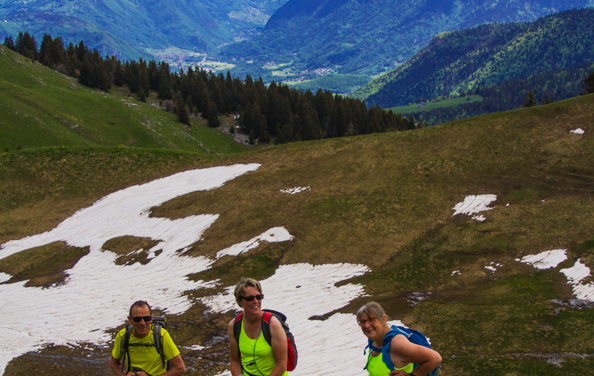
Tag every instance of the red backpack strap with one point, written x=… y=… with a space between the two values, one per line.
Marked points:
x=237 y=327
x=266 y=327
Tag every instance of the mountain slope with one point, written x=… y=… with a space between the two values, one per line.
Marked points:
x=385 y=201
x=42 y=108
x=130 y=29
x=461 y=61
x=308 y=38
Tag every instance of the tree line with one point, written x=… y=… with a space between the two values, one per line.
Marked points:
x=273 y=113
x=542 y=88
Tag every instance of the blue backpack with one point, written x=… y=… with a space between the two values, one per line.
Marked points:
x=413 y=336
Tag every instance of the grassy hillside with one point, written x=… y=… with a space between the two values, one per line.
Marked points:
x=384 y=200
x=41 y=108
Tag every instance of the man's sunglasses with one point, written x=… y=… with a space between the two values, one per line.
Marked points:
x=145 y=318
x=252 y=297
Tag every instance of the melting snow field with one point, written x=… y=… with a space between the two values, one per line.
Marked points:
x=96 y=284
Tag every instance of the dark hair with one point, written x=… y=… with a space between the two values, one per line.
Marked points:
x=140 y=303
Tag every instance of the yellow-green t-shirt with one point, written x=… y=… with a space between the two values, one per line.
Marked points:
x=377 y=367
x=256 y=354
x=146 y=357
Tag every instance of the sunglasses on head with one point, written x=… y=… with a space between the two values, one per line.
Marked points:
x=145 y=318
x=252 y=297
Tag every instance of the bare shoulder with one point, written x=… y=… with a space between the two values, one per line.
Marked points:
x=231 y=324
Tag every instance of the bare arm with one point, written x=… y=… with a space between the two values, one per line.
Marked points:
x=177 y=367
x=116 y=366
x=427 y=359
x=234 y=358
x=279 y=347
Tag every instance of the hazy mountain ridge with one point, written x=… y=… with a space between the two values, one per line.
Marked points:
x=350 y=36
x=462 y=61
x=130 y=28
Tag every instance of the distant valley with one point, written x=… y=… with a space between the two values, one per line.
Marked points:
x=341 y=44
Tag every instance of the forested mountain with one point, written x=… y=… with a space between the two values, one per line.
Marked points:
x=305 y=39
x=483 y=58
x=139 y=28
x=342 y=43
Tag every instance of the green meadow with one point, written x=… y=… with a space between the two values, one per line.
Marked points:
x=384 y=200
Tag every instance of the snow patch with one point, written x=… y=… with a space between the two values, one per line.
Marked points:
x=575 y=275
x=275 y=234
x=493 y=266
x=579 y=131
x=474 y=204
x=546 y=260
x=295 y=190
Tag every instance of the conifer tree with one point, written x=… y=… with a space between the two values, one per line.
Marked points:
x=589 y=83
x=9 y=43
x=164 y=84
x=26 y=45
x=182 y=111
x=530 y=99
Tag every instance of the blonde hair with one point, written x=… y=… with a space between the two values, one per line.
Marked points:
x=371 y=309
x=243 y=283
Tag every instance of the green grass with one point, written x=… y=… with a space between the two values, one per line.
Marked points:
x=383 y=200
x=450 y=102
x=39 y=108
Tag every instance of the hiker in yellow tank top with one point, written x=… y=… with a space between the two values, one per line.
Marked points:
x=253 y=355
x=404 y=354
x=377 y=367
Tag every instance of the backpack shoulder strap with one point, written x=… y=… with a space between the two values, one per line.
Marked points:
x=126 y=348
x=237 y=326
x=387 y=341
x=158 y=339
x=266 y=326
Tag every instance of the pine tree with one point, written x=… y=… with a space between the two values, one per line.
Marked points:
x=9 y=43
x=589 y=83
x=164 y=85
x=182 y=111
x=530 y=100
x=26 y=45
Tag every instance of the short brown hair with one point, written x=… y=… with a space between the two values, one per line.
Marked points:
x=243 y=283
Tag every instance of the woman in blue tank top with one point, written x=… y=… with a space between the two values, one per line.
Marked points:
x=252 y=355
x=404 y=354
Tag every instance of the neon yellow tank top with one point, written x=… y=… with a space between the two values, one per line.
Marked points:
x=377 y=367
x=256 y=354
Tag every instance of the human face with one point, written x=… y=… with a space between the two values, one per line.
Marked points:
x=370 y=326
x=141 y=328
x=254 y=306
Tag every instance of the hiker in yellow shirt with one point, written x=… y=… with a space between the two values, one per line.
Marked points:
x=141 y=358
x=251 y=354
